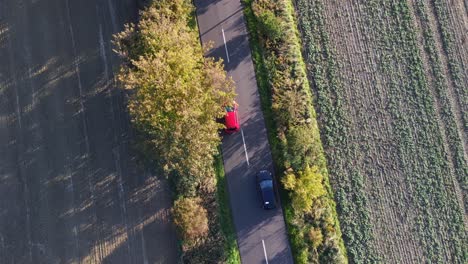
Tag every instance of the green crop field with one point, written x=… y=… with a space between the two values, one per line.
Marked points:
x=390 y=85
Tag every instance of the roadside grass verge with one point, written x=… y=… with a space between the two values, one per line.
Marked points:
x=293 y=133
x=231 y=250
x=225 y=215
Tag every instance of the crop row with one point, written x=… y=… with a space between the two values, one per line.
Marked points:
x=441 y=223
x=455 y=67
x=420 y=135
x=416 y=140
x=440 y=216
x=461 y=92
x=447 y=116
x=351 y=199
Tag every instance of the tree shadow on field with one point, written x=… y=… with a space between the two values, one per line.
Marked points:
x=70 y=188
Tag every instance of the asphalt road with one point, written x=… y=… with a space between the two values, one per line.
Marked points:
x=261 y=234
x=70 y=189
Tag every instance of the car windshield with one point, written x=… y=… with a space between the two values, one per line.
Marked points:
x=229 y=109
x=266 y=184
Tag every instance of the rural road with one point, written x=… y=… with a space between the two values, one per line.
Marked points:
x=70 y=189
x=261 y=234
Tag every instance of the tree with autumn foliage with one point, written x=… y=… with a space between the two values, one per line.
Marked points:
x=175 y=93
x=175 y=96
x=191 y=219
x=306 y=187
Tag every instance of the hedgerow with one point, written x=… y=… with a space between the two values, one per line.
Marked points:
x=297 y=149
x=174 y=98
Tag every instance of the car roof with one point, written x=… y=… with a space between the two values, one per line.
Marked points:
x=268 y=197
x=231 y=119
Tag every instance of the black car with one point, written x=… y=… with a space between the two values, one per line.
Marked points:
x=265 y=187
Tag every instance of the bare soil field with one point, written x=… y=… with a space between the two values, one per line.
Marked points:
x=71 y=190
x=390 y=81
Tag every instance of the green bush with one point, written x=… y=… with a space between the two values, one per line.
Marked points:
x=184 y=185
x=270 y=26
x=300 y=145
x=191 y=220
x=305 y=186
x=315 y=236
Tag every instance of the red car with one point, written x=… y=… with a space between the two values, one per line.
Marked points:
x=231 y=120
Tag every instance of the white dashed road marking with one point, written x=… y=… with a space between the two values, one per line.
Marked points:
x=245 y=148
x=225 y=45
x=264 y=251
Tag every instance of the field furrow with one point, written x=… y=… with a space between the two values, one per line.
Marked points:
x=393 y=130
x=452 y=21
x=377 y=144
x=437 y=73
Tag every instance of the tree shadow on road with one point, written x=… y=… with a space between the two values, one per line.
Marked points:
x=237 y=47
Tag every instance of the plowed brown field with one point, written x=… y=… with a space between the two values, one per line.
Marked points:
x=390 y=79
